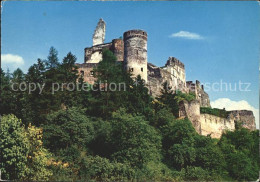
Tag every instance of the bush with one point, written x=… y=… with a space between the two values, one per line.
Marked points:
x=214 y=111
x=192 y=173
x=67 y=128
x=133 y=140
x=179 y=96
x=101 y=169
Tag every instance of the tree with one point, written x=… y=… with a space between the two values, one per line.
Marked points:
x=7 y=101
x=14 y=147
x=22 y=154
x=67 y=128
x=101 y=169
x=108 y=95
x=240 y=151
x=52 y=61
x=139 y=101
x=178 y=143
x=38 y=156
x=133 y=140
x=167 y=97
x=18 y=94
x=34 y=105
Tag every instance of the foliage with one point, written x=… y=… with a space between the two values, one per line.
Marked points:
x=14 y=147
x=22 y=154
x=67 y=128
x=179 y=96
x=38 y=156
x=105 y=135
x=171 y=99
x=168 y=100
x=240 y=149
x=114 y=89
x=133 y=140
x=214 y=111
x=101 y=169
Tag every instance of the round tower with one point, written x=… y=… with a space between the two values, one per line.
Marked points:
x=135 y=53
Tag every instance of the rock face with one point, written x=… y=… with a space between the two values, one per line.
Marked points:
x=99 y=34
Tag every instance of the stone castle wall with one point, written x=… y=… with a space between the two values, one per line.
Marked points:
x=191 y=110
x=133 y=52
x=214 y=125
x=199 y=92
x=86 y=71
x=207 y=124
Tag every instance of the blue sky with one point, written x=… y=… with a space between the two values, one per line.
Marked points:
x=215 y=40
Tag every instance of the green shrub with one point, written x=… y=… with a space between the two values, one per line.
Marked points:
x=179 y=96
x=101 y=169
x=214 y=111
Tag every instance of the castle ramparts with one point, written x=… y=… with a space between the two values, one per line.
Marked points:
x=132 y=51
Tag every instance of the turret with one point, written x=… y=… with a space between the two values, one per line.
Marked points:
x=135 y=53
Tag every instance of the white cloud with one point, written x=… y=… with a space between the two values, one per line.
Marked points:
x=187 y=35
x=236 y=105
x=12 y=59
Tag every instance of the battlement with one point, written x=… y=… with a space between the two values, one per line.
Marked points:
x=135 y=33
x=117 y=48
x=172 y=61
x=198 y=89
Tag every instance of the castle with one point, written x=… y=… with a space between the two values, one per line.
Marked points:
x=132 y=51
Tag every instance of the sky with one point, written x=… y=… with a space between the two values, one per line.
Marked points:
x=217 y=41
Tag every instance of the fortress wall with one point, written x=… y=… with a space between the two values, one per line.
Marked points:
x=191 y=110
x=214 y=125
x=245 y=117
x=207 y=124
x=94 y=54
x=86 y=70
x=118 y=49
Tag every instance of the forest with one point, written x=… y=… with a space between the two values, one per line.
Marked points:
x=110 y=135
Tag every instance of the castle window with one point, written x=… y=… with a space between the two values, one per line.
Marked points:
x=142 y=69
x=131 y=69
x=91 y=73
x=136 y=52
x=82 y=73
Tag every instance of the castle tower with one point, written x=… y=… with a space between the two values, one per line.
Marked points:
x=135 y=53
x=99 y=34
